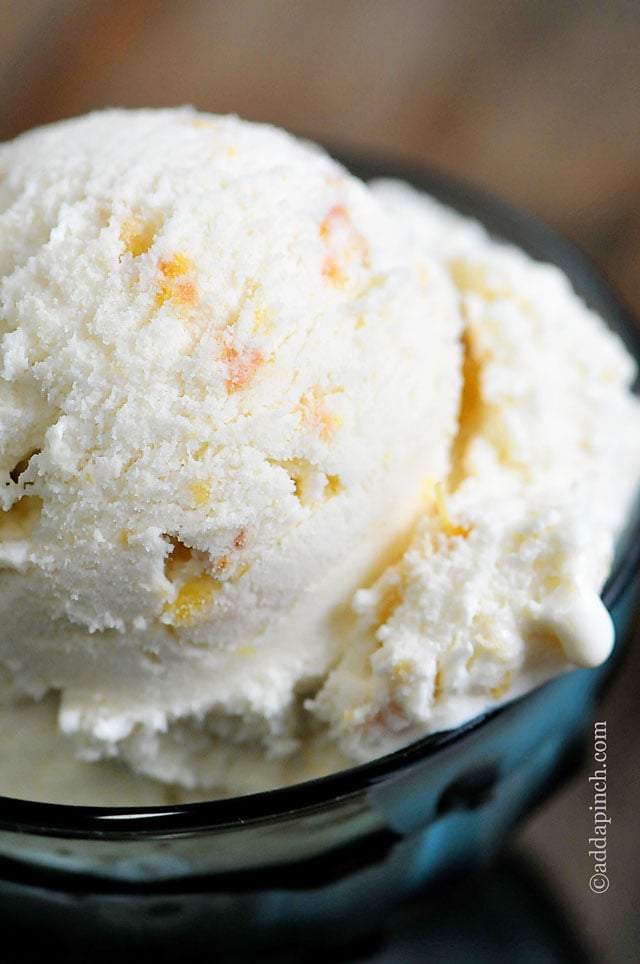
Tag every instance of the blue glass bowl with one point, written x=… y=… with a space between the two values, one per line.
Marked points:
x=322 y=863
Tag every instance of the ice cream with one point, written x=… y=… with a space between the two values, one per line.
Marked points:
x=503 y=573
x=295 y=469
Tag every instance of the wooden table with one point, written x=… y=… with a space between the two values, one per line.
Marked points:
x=535 y=100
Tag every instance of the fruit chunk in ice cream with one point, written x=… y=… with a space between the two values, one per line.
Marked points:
x=295 y=469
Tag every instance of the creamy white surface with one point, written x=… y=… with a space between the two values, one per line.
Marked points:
x=238 y=547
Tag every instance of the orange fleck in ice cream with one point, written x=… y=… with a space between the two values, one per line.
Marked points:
x=315 y=414
x=344 y=245
x=175 y=283
x=242 y=367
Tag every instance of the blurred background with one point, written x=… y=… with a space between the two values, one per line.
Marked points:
x=537 y=101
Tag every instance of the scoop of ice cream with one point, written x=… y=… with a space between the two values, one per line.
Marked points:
x=226 y=372
x=499 y=589
x=295 y=469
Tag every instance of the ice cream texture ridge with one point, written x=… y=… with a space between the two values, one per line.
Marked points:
x=294 y=469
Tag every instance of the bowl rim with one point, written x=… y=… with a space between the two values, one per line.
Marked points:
x=507 y=222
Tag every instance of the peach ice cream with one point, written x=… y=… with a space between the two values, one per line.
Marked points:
x=295 y=469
